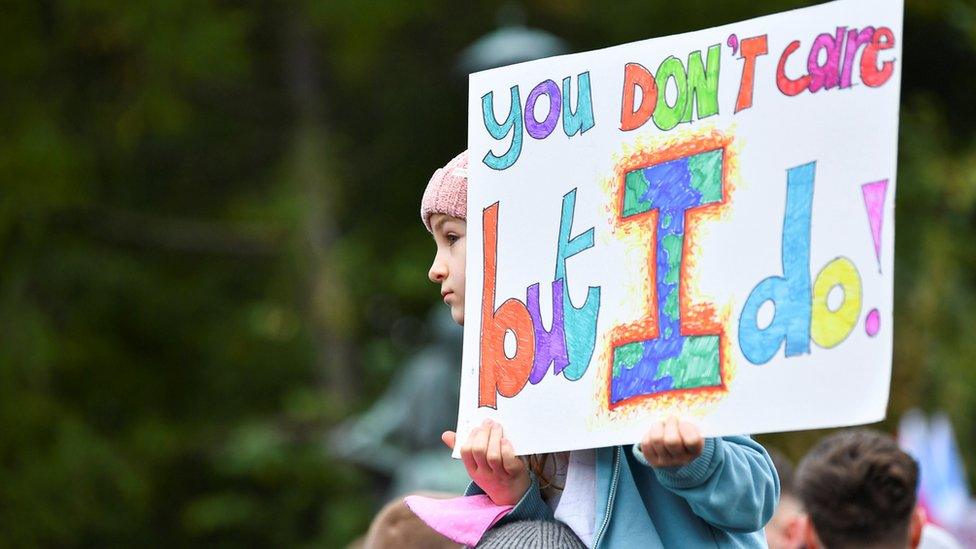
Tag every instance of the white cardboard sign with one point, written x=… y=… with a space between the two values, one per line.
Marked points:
x=699 y=225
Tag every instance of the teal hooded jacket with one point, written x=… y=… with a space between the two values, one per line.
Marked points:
x=723 y=498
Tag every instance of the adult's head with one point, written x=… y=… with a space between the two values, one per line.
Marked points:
x=444 y=213
x=859 y=490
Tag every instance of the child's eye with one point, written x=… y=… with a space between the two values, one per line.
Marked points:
x=452 y=238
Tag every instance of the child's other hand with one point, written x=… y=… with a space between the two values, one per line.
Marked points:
x=492 y=464
x=672 y=443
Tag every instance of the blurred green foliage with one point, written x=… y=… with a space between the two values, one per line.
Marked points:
x=209 y=241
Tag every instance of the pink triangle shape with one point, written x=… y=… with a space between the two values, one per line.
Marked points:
x=874 y=198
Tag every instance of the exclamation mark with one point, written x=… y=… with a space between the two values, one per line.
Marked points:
x=874 y=199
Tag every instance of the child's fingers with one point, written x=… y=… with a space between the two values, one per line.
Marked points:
x=449 y=438
x=513 y=464
x=479 y=444
x=467 y=455
x=653 y=443
x=494 y=454
x=672 y=439
x=691 y=438
x=650 y=454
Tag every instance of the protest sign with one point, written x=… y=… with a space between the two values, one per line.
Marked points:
x=699 y=225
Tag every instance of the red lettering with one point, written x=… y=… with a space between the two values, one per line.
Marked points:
x=883 y=39
x=637 y=76
x=497 y=373
x=786 y=84
x=751 y=49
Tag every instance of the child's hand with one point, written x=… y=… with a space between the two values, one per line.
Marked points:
x=492 y=464
x=672 y=443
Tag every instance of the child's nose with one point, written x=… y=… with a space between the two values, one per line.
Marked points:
x=437 y=272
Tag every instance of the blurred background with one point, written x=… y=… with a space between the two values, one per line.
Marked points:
x=212 y=264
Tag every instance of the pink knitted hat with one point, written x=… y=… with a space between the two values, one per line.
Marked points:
x=447 y=191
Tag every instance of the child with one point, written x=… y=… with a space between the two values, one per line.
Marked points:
x=673 y=489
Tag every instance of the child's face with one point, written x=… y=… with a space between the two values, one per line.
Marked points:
x=448 y=267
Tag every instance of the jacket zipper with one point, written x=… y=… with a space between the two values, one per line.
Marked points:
x=613 y=493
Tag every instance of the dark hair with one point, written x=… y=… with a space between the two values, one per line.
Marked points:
x=858 y=488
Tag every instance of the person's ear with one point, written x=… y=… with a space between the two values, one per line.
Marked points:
x=809 y=536
x=919 y=518
x=795 y=530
